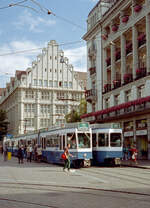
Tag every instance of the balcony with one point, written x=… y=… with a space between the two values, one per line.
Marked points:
x=141 y=40
x=108 y=61
x=141 y=72
x=92 y=70
x=128 y=48
x=117 y=55
x=90 y=95
x=116 y=83
x=107 y=88
x=128 y=78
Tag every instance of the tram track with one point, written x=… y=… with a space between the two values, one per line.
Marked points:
x=121 y=178
x=25 y=202
x=77 y=187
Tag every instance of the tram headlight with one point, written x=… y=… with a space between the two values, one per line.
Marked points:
x=85 y=155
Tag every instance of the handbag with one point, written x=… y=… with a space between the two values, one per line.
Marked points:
x=63 y=156
x=133 y=156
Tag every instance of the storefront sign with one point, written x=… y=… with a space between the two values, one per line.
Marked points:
x=83 y=126
x=141 y=132
x=128 y=133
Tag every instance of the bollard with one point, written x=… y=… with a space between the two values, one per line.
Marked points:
x=9 y=155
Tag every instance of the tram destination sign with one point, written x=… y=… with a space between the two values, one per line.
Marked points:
x=83 y=126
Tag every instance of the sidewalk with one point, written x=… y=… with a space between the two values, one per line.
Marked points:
x=145 y=164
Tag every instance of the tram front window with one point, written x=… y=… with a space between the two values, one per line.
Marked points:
x=115 y=140
x=83 y=140
x=71 y=139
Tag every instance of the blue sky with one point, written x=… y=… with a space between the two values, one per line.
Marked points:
x=28 y=26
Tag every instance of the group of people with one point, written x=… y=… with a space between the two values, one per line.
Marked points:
x=130 y=153
x=29 y=153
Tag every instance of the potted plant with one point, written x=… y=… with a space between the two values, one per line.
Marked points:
x=114 y=28
x=125 y=19
x=137 y=8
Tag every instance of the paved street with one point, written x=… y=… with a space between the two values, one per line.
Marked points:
x=43 y=185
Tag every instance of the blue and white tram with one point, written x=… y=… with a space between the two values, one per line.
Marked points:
x=107 y=142
x=80 y=139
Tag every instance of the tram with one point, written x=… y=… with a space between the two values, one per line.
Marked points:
x=107 y=143
x=54 y=140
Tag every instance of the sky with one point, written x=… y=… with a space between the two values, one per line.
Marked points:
x=26 y=25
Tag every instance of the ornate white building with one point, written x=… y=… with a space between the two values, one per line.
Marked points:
x=41 y=96
x=118 y=44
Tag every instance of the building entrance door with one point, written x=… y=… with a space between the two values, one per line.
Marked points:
x=142 y=146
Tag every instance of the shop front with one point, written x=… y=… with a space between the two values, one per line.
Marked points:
x=128 y=134
x=142 y=139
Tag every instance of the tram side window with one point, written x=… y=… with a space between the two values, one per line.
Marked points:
x=53 y=141
x=94 y=142
x=115 y=140
x=103 y=140
x=71 y=139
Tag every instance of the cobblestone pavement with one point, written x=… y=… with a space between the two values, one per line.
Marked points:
x=39 y=185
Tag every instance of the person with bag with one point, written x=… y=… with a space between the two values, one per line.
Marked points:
x=134 y=154
x=66 y=155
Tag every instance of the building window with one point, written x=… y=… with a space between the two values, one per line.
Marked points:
x=55 y=84
x=40 y=82
x=60 y=84
x=50 y=57
x=55 y=57
x=55 y=70
x=128 y=96
x=45 y=83
x=50 y=70
x=65 y=84
x=35 y=82
x=141 y=91
x=45 y=70
x=70 y=84
x=50 y=83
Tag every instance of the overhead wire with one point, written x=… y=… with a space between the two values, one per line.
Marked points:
x=36 y=49
x=43 y=9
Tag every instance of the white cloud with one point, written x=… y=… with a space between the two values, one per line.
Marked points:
x=34 y=24
x=77 y=57
x=10 y=63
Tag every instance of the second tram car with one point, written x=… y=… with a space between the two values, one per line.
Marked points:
x=107 y=143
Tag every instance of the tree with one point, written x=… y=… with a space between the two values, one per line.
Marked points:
x=3 y=124
x=74 y=115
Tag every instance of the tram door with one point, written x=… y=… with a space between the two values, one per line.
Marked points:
x=43 y=142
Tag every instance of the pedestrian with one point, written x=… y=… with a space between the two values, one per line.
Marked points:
x=25 y=151
x=20 y=154
x=39 y=153
x=35 y=152
x=5 y=151
x=134 y=152
x=67 y=158
x=125 y=152
x=29 y=153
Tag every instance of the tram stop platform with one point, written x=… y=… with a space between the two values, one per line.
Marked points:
x=145 y=164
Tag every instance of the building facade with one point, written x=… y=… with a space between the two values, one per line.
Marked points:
x=42 y=95
x=118 y=44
